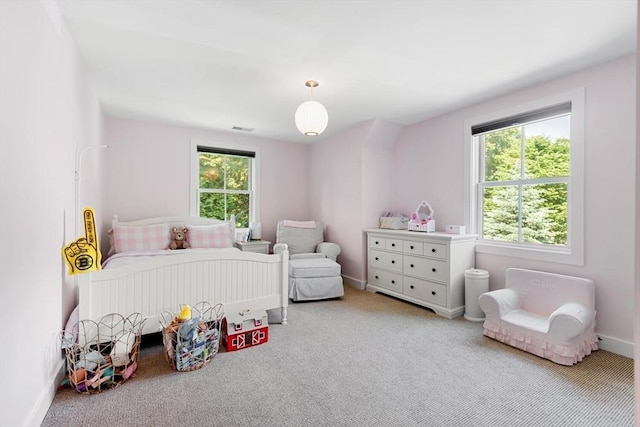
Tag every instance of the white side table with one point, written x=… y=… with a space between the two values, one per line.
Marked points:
x=258 y=246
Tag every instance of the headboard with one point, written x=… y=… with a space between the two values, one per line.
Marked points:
x=173 y=221
x=176 y=221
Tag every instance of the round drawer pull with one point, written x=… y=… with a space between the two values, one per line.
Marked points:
x=377 y=277
x=433 y=269
x=393 y=281
x=433 y=292
x=377 y=243
x=377 y=258
x=433 y=250
x=411 y=286
x=393 y=261
x=393 y=245
x=411 y=247
x=411 y=265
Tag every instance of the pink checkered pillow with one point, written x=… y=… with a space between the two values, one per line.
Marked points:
x=128 y=238
x=210 y=236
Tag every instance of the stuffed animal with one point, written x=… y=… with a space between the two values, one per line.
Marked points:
x=179 y=239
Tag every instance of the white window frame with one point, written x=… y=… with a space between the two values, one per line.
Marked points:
x=573 y=252
x=254 y=179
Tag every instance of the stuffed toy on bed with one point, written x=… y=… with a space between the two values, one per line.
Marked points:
x=179 y=238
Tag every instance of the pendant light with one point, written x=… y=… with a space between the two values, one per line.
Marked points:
x=311 y=116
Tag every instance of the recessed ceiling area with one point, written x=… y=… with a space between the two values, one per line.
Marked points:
x=217 y=65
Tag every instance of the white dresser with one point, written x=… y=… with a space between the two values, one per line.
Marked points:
x=424 y=268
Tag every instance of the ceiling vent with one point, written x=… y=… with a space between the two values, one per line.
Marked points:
x=243 y=129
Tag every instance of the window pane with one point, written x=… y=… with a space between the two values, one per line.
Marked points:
x=238 y=205
x=212 y=205
x=544 y=214
x=211 y=171
x=547 y=148
x=500 y=213
x=237 y=173
x=502 y=154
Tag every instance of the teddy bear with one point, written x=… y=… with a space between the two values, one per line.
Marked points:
x=179 y=238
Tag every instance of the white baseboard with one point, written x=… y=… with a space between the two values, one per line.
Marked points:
x=615 y=345
x=46 y=397
x=354 y=283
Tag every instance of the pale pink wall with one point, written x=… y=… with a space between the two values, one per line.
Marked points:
x=350 y=186
x=428 y=165
x=335 y=192
x=637 y=266
x=429 y=156
x=377 y=171
x=47 y=108
x=147 y=172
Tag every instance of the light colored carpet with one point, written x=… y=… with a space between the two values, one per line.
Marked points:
x=363 y=360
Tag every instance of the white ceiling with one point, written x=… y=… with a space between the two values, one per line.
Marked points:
x=220 y=64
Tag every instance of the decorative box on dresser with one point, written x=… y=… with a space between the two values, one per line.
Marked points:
x=423 y=268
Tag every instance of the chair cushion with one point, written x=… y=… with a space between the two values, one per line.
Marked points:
x=527 y=320
x=308 y=255
x=300 y=240
x=313 y=267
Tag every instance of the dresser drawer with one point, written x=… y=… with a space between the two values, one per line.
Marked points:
x=412 y=247
x=394 y=245
x=377 y=242
x=427 y=268
x=435 y=250
x=386 y=279
x=425 y=290
x=388 y=260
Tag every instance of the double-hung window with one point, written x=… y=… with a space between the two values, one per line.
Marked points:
x=224 y=182
x=526 y=181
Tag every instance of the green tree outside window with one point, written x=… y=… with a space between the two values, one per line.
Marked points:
x=524 y=184
x=224 y=187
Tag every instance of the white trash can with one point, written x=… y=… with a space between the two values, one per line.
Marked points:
x=476 y=282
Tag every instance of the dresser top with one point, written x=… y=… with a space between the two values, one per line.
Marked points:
x=445 y=237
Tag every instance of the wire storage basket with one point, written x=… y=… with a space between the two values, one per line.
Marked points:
x=192 y=338
x=102 y=354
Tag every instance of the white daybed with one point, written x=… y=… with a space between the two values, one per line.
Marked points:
x=162 y=282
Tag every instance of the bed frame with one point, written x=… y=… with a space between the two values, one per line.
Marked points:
x=239 y=280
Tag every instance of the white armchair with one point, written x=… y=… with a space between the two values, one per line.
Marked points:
x=547 y=314
x=314 y=273
x=305 y=239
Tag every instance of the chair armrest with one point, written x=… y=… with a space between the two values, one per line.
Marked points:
x=496 y=304
x=278 y=248
x=331 y=250
x=570 y=320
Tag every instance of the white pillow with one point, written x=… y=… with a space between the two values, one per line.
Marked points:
x=210 y=236
x=151 y=237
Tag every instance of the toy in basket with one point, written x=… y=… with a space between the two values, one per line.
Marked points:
x=422 y=219
x=191 y=338
x=102 y=354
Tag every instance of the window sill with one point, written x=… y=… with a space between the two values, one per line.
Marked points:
x=561 y=256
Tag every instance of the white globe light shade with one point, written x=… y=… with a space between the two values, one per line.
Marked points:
x=311 y=118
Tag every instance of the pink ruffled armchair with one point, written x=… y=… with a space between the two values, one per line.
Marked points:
x=550 y=315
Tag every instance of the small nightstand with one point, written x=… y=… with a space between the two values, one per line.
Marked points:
x=258 y=246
